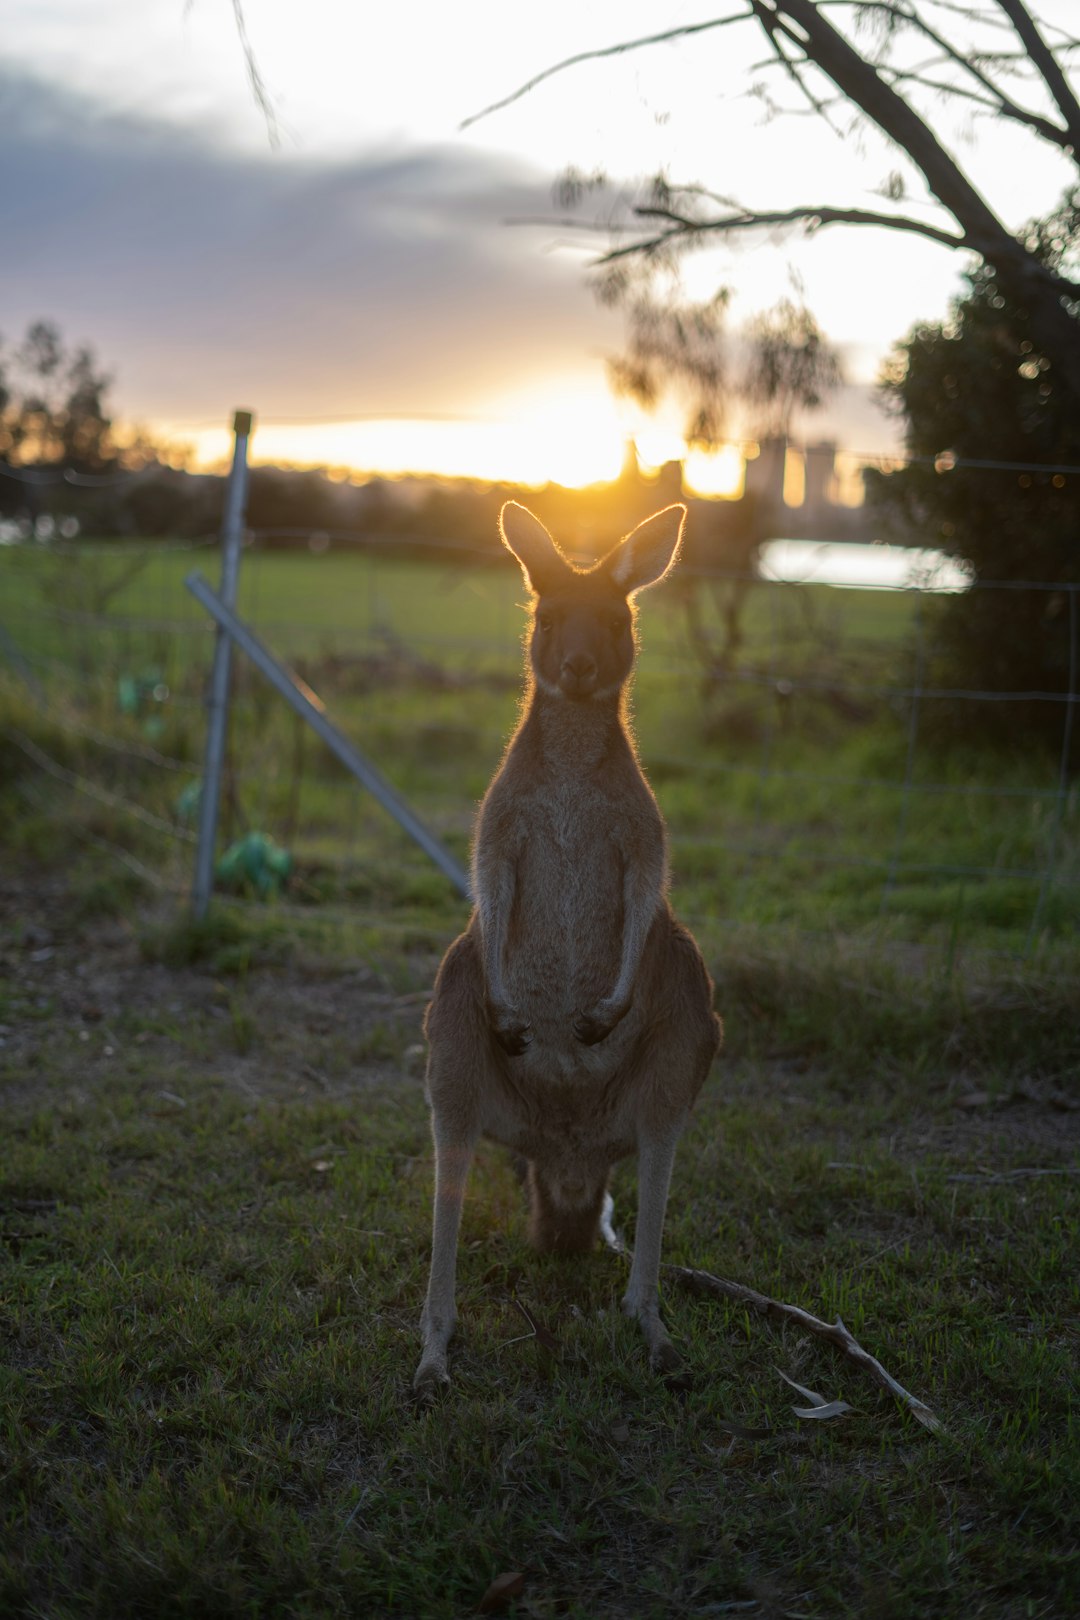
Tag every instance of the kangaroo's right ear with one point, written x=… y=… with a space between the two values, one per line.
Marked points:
x=541 y=560
x=649 y=551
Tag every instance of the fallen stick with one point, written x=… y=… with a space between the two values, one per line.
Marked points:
x=703 y=1282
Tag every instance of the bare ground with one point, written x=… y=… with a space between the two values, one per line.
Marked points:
x=77 y=995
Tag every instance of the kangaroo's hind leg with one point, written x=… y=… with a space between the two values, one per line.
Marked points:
x=460 y=1067
x=672 y=1065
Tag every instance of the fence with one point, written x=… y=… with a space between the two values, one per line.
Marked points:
x=801 y=764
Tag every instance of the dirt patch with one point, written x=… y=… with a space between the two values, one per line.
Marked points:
x=958 y=1118
x=76 y=998
x=79 y=998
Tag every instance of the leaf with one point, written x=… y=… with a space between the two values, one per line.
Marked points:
x=827 y=1409
x=820 y=1407
x=503 y=1590
x=811 y=1395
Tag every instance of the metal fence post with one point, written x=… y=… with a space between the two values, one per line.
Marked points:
x=232 y=539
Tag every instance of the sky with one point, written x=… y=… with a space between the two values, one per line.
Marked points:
x=386 y=290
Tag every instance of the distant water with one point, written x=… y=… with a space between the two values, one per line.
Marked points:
x=863 y=567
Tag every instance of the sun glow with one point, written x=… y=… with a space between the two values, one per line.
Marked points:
x=571 y=433
x=719 y=472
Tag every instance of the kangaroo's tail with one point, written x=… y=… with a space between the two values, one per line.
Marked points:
x=564 y=1214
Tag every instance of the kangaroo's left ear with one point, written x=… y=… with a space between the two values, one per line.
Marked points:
x=648 y=552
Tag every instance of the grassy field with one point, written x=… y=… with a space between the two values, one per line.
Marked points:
x=215 y=1173
x=805 y=791
x=215 y=1182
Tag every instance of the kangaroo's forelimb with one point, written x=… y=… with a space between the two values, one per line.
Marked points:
x=495 y=890
x=643 y=884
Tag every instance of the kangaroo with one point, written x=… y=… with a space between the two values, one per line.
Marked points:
x=572 y=1021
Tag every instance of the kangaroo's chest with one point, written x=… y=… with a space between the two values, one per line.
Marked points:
x=568 y=828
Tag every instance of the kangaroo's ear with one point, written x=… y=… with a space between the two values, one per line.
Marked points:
x=648 y=552
x=542 y=562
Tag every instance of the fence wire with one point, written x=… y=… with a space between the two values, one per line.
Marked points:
x=803 y=768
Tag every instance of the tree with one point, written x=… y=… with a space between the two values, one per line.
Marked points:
x=53 y=405
x=992 y=479
x=787 y=363
x=901 y=65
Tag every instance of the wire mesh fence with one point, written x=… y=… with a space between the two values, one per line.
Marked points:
x=816 y=774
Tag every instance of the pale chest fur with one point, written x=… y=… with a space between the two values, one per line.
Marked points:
x=572 y=839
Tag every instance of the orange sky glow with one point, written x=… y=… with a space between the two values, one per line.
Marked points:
x=573 y=435
x=531 y=453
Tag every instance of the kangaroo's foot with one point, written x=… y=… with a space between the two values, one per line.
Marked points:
x=663 y=1356
x=509 y=1029
x=432 y=1376
x=431 y=1380
x=596 y=1023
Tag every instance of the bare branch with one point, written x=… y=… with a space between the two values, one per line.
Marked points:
x=1002 y=106
x=751 y=219
x=263 y=99
x=594 y=56
x=1007 y=107
x=703 y=1282
x=1048 y=65
x=776 y=29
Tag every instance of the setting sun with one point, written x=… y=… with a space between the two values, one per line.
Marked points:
x=574 y=437
x=718 y=472
x=572 y=433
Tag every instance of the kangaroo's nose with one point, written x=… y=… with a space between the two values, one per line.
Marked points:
x=580 y=665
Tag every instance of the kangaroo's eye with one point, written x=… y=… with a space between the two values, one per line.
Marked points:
x=544 y=621
x=617 y=624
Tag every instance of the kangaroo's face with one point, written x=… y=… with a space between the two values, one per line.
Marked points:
x=582 y=641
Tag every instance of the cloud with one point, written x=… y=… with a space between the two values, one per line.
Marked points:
x=384 y=284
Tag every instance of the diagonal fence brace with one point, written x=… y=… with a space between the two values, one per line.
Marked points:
x=310 y=708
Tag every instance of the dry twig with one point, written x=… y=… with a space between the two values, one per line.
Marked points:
x=703 y=1282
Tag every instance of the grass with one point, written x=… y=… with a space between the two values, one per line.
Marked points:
x=214 y=1268
x=215 y=1174
x=829 y=813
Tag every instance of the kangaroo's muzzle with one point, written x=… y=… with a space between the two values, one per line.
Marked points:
x=577 y=677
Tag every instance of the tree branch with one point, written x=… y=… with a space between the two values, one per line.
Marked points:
x=263 y=99
x=621 y=49
x=1004 y=107
x=1033 y=283
x=777 y=28
x=703 y=1282
x=1048 y=65
x=749 y=219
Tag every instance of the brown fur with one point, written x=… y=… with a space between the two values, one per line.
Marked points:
x=573 y=1019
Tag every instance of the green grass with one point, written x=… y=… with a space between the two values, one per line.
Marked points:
x=835 y=816
x=215 y=1249
x=215 y=1173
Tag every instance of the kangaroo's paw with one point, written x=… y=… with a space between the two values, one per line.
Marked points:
x=509 y=1029
x=514 y=1038
x=664 y=1358
x=432 y=1380
x=593 y=1026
